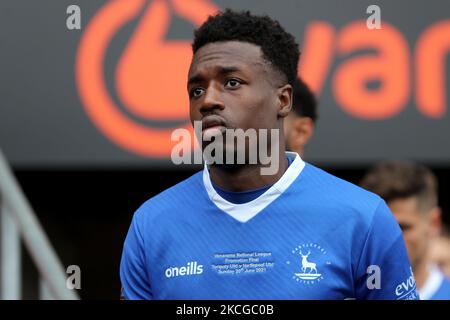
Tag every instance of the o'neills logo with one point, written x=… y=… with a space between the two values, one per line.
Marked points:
x=144 y=99
x=192 y=268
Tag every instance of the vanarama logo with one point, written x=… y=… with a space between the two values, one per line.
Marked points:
x=309 y=263
x=146 y=99
x=134 y=91
x=192 y=268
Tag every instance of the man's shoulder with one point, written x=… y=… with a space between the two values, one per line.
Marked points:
x=444 y=289
x=339 y=200
x=174 y=199
x=337 y=190
x=446 y=283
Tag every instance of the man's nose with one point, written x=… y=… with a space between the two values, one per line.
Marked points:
x=212 y=100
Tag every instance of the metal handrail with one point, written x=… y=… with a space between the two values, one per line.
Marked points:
x=36 y=241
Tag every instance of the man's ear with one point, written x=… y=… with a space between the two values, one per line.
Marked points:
x=285 y=100
x=303 y=130
x=436 y=221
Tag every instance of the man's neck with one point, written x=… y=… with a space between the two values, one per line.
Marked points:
x=421 y=273
x=246 y=177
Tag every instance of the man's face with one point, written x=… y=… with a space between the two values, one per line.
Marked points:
x=440 y=253
x=232 y=86
x=416 y=228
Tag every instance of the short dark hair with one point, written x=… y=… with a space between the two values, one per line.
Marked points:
x=395 y=180
x=304 y=102
x=278 y=46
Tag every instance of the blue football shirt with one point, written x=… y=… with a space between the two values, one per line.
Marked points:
x=436 y=286
x=309 y=236
x=245 y=196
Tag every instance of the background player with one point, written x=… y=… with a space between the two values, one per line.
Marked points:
x=410 y=191
x=299 y=125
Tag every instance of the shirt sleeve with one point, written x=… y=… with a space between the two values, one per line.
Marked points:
x=133 y=271
x=384 y=271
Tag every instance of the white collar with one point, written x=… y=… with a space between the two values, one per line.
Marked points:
x=245 y=211
x=432 y=283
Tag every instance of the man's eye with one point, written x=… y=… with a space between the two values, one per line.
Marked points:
x=405 y=227
x=197 y=92
x=233 y=83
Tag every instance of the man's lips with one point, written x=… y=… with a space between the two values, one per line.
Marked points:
x=209 y=122
x=212 y=126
